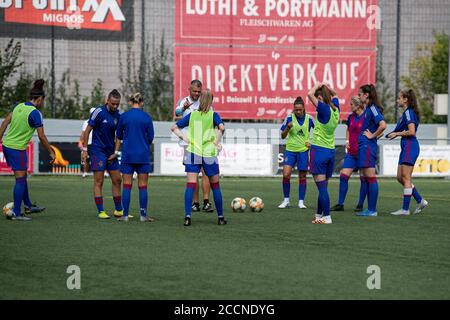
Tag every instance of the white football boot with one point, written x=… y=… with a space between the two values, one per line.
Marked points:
x=284 y=204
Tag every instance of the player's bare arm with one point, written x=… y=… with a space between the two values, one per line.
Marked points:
x=5 y=125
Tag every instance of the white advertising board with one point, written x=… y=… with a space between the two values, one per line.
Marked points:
x=234 y=159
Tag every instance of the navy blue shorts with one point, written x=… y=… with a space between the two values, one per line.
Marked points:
x=367 y=155
x=99 y=162
x=130 y=168
x=350 y=162
x=194 y=163
x=410 y=152
x=17 y=160
x=296 y=158
x=322 y=161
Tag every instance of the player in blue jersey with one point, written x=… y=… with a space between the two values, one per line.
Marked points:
x=407 y=129
x=204 y=141
x=23 y=122
x=136 y=130
x=103 y=123
x=323 y=146
x=354 y=125
x=296 y=128
x=372 y=128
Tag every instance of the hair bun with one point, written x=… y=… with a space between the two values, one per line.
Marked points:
x=39 y=85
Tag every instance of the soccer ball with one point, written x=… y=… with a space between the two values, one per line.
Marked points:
x=8 y=210
x=256 y=204
x=238 y=205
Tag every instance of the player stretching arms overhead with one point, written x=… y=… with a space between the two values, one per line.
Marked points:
x=203 y=143
x=23 y=121
x=322 y=146
x=373 y=127
x=103 y=122
x=185 y=106
x=296 y=128
x=354 y=125
x=136 y=130
x=406 y=129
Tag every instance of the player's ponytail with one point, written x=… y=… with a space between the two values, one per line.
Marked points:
x=37 y=90
x=206 y=100
x=326 y=95
x=373 y=96
x=136 y=98
x=299 y=100
x=410 y=95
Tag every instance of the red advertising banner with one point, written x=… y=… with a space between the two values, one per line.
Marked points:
x=262 y=83
x=4 y=169
x=82 y=14
x=343 y=23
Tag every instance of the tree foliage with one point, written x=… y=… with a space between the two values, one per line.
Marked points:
x=428 y=75
x=9 y=66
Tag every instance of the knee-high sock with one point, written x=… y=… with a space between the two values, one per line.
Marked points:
x=126 y=197
x=26 y=196
x=343 y=188
x=217 y=194
x=286 y=187
x=143 y=200
x=99 y=203
x=416 y=195
x=372 y=193
x=19 y=189
x=118 y=203
x=324 y=197
x=301 y=189
x=319 y=206
x=362 y=191
x=188 y=196
x=407 y=193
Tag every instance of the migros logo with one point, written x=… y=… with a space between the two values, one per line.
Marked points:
x=73 y=14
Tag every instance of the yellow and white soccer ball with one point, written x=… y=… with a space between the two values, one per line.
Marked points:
x=256 y=204
x=8 y=210
x=238 y=204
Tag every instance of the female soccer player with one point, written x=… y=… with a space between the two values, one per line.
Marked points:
x=322 y=146
x=185 y=106
x=103 y=123
x=136 y=130
x=24 y=120
x=373 y=127
x=296 y=127
x=203 y=143
x=406 y=129
x=354 y=125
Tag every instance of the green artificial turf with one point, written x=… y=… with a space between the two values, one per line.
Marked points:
x=275 y=254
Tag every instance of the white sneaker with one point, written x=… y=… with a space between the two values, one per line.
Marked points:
x=421 y=206
x=147 y=219
x=123 y=219
x=301 y=205
x=323 y=220
x=318 y=216
x=401 y=212
x=284 y=205
x=84 y=175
